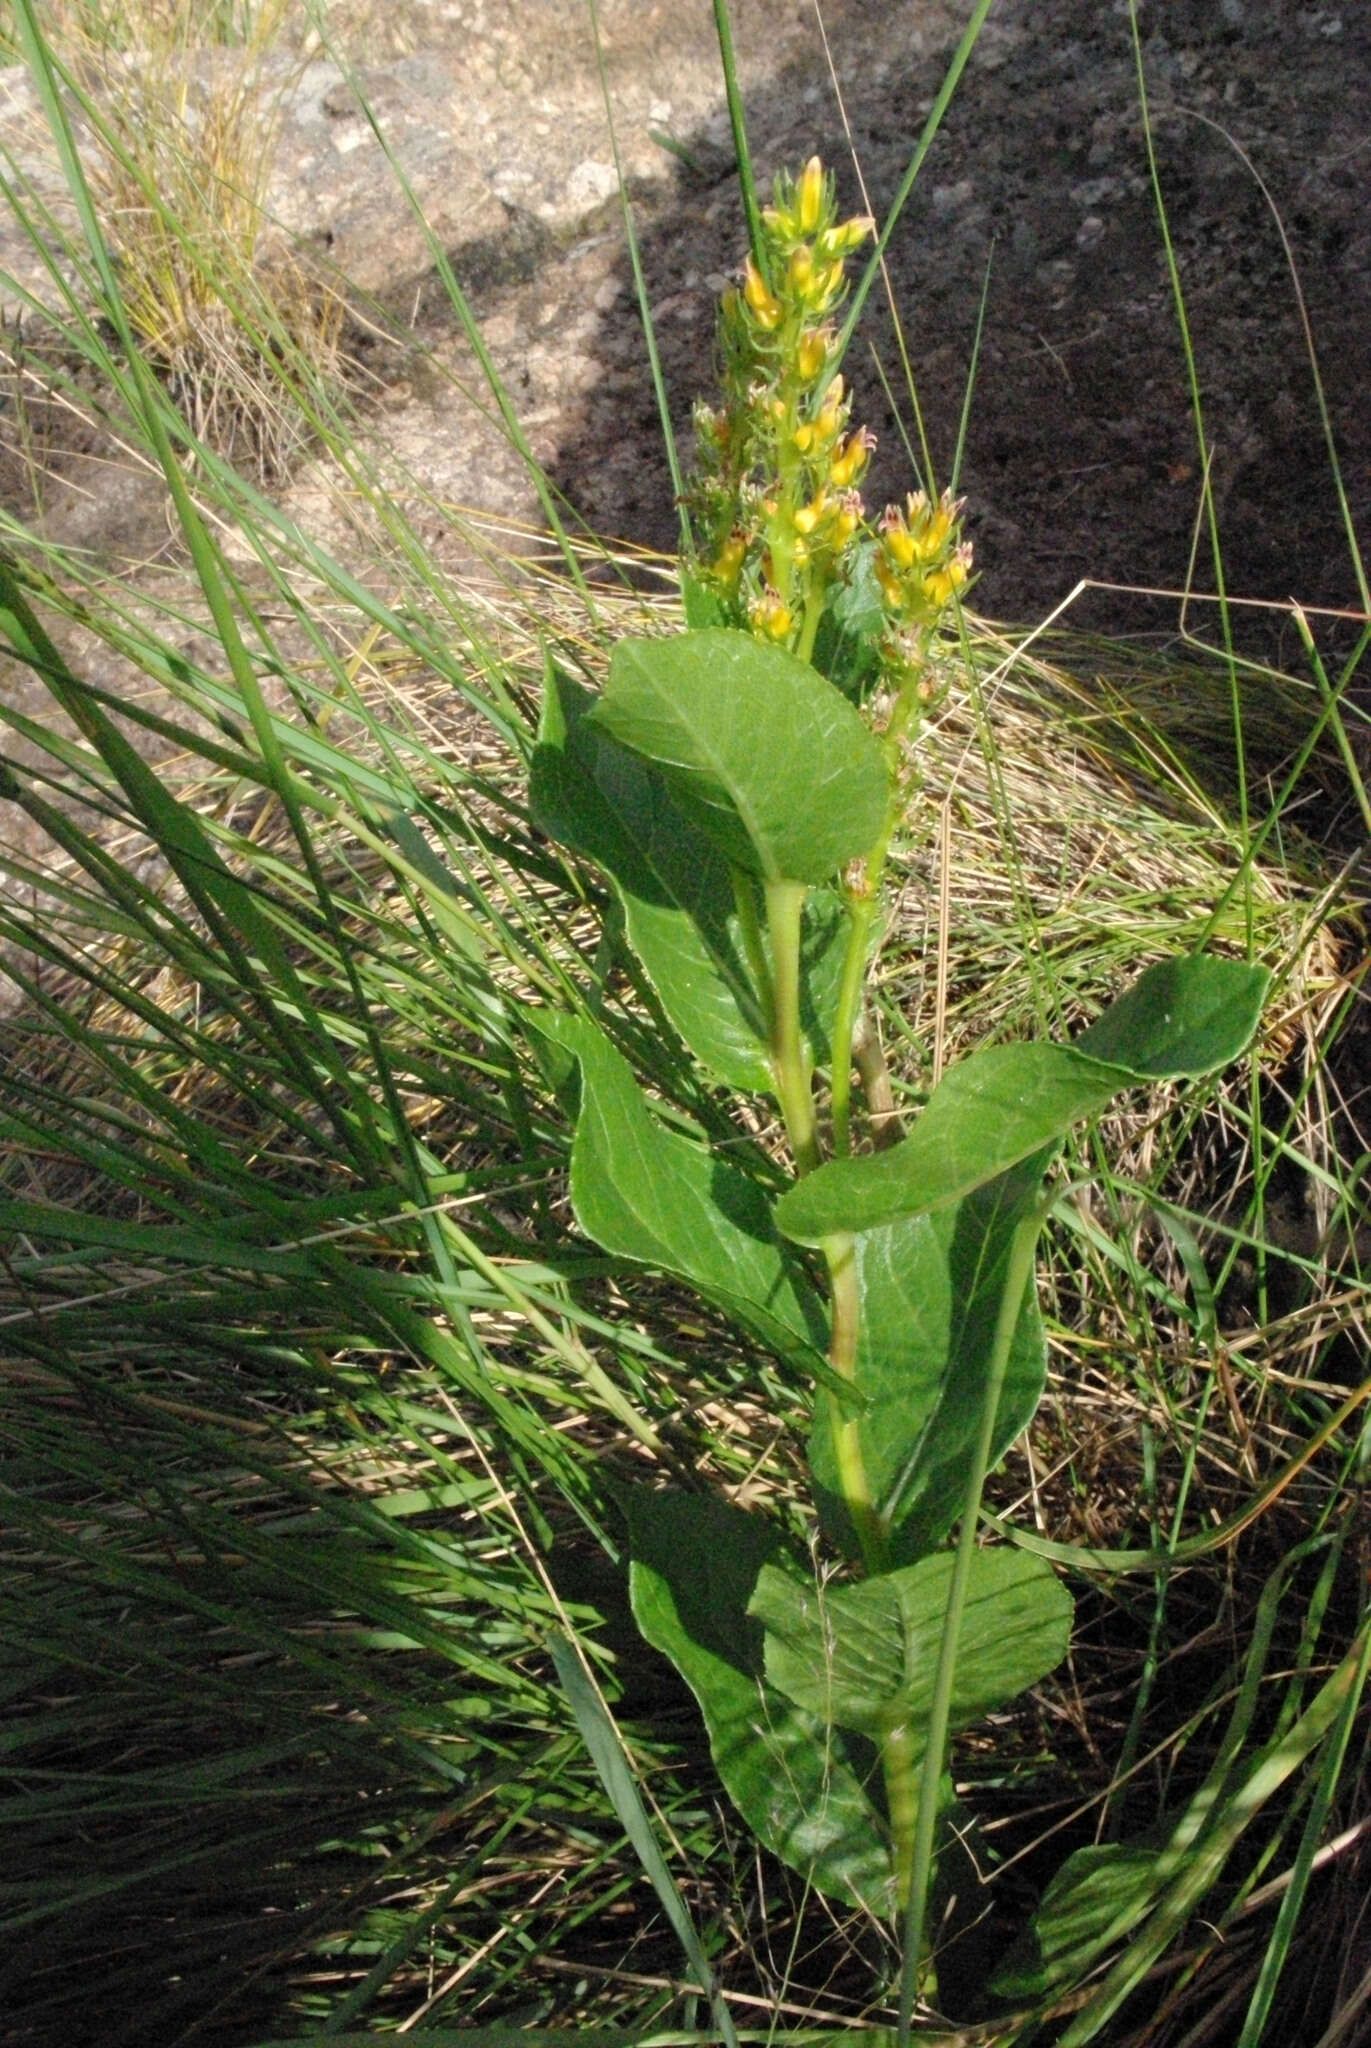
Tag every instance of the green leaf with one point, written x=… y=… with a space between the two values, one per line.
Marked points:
x=865 y=1657
x=650 y=1194
x=1182 y=1018
x=846 y=647
x=930 y=1293
x=696 y=1565
x=702 y=604
x=1097 y=1896
x=771 y=760
x=674 y=885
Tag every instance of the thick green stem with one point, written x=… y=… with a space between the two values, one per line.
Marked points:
x=900 y=1765
x=1018 y=1273
x=790 y=1062
x=794 y=1088
x=862 y=908
x=840 y=1253
x=813 y=612
x=862 y=912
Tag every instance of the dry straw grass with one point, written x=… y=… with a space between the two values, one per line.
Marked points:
x=181 y=105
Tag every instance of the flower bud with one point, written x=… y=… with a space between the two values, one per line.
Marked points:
x=934 y=535
x=847 y=519
x=812 y=354
x=808 y=516
x=896 y=540
x=828 y=283
x=809 y=197
x=765 y=306
x=729 y=560
x=844 y=239
x=892 y=589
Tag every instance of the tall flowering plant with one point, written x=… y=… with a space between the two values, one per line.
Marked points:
x=776 y=498
x=739 y=785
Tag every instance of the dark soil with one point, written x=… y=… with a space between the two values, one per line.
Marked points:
x=1081 y=457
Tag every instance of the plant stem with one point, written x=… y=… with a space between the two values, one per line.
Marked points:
x=1018 y=1273
x=794 y=1089
x=750 y=929
x=899 y=1762
x=862 y=912
x=813 y=612
x=840 y=1252
x=790 y=1062
x=863 y=904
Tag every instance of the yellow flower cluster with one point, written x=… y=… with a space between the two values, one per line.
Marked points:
x=921 y=563
x=775 y=502
x=777 y=493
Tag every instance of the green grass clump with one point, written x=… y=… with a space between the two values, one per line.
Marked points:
x=314 y=1408
x=181 y=107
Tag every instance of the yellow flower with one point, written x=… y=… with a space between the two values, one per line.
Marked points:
x=812 y=353
x=770 y=616
x=892 y=586
x=841 y=241
x=898 y=543
x=851 y=459
x=941 y=584
x=808 y=516
x=809 y=197
x=765 y=306
x=936 y=528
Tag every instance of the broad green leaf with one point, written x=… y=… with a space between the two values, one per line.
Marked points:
x=649 y=1193
x=674 y=885
x=1182 y=1018
x=696 y=1566
x=865 y=1657
x=671 y=880
x=930 y=1294
x=771 y=760
x=693 y=958
x=1096 y=1897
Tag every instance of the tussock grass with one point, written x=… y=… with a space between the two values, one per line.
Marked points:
x=180 y=109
